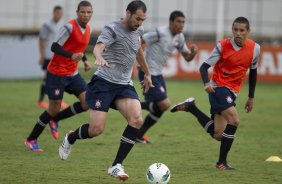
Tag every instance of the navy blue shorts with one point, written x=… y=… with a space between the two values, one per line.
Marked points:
x=222 y=99
x=56 y=85
x=157 y=93
x=101 y=94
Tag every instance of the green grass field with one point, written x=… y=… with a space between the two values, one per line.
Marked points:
x=178 y=141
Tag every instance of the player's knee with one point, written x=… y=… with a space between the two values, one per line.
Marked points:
x=136 y=122
x=217 y=136
x=95 y=131
x=235 y=121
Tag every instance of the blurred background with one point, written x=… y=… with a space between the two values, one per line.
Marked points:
x=207 y=21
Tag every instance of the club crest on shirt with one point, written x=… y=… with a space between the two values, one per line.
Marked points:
x=229 y=99
x=98 y=104
x=57 y=92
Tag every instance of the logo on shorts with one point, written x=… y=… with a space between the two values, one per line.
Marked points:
x=229 y=99
x=57 y=92
x=98 y=104
x=162 y=89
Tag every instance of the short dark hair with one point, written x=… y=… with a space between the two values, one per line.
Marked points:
x=83 y=3
x=242 y=20
x=58 y=7
x=135 y=5
x=176 y=14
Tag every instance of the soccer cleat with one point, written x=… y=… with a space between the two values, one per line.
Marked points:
x=143 y=140
x=117 y=171
x=183 y=106
x=65 y=148
x=64 y=105
x=224 y=166
x=33 y=145
x=54 y=128
x=42 y=104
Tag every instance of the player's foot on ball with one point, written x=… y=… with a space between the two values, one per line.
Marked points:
x=117 y=171
x=33 y=145
x=224 y=166
x=143 y=140
x=54 y=128
x=184 y=106
x=65 y=148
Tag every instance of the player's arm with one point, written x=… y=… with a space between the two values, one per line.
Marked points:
x=98 y=50
x=147 y=82
x=212 y=59
x=191 y=53
x=62 y=37
x=42 y=41
x=252 y=80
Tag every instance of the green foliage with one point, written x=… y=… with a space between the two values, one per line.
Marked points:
x=178 y=141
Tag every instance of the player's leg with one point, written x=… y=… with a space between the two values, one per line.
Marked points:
x=151 y=119
x=189 y=106
x=97 y=115
x=42 y=91
x=76 y=86
x=156 y=96
x=131 y=110
x=228 y=136
x=92 y=129
x=55 y=91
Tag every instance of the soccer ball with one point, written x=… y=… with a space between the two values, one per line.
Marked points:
x=158 y=173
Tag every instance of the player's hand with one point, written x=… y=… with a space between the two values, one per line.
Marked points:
x=146 y=84
x=209 y=88
x=77 y=56
x=87 y=65
x=193 y=49
x=41 y=61
x=249 y=105
x=100 y=61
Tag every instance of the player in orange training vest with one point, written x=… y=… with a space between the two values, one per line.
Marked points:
x=230 y=59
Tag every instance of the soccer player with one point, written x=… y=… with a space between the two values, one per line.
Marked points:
x=63 y=75
x=47 y=35
x=161 y=42
x=117 y=48
x=231 y=59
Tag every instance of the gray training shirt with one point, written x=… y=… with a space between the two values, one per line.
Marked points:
x=48 y=32
x=120 y=52
x=160 y=45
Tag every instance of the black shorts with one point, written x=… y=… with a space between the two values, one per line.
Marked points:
x=101 y=94
x=56 y=85
x=157 y=93
x=222 y=99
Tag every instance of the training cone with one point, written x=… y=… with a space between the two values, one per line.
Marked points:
x=273 y=159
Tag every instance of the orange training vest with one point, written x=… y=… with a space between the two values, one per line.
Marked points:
x=230 y=70
x=77 y=42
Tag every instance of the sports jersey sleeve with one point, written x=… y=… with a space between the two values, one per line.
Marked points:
x=254 y=64
x=44 y=31
x=151 y=37
x=107 y=35
x=64 y=34
x=182 y=45
x=214 y=56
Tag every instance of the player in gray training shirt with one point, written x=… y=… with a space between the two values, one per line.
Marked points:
x=117 y=48
x=160 y=44
x=47 y=35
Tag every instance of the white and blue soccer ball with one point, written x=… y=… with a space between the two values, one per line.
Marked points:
x=158 y=173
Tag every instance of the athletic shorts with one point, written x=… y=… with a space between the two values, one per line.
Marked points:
x=101 y=94
x=56 y=85
x=222 y=99
x=45 y=64
x=157 y=93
